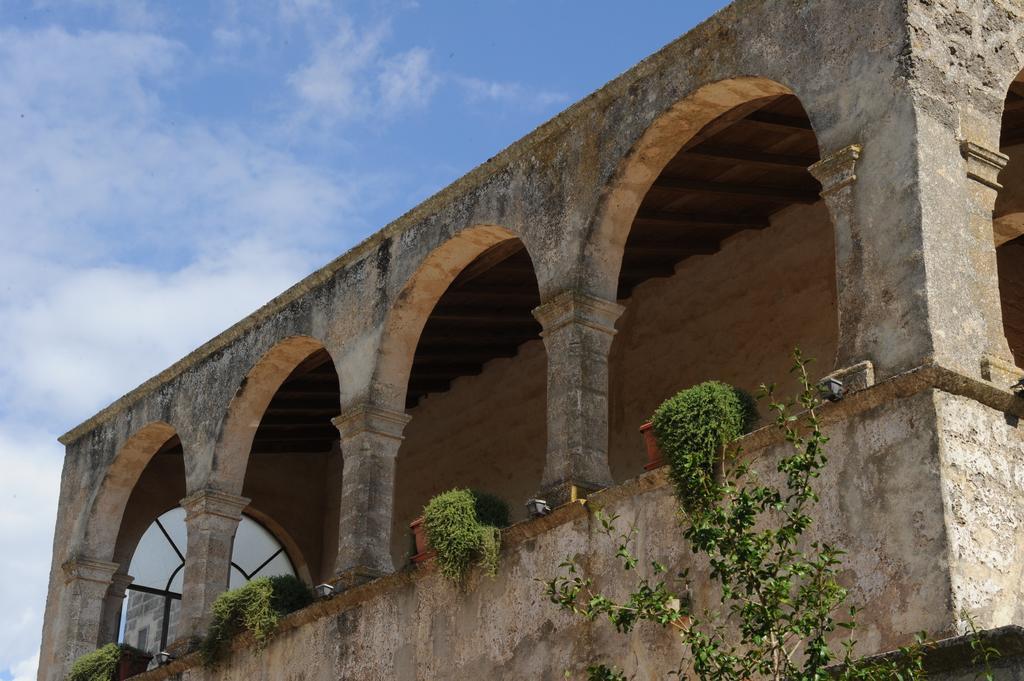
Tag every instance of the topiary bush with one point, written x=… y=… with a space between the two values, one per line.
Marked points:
x=256 y=607
x=99 y=665
x=692 y=428
x=463 y=529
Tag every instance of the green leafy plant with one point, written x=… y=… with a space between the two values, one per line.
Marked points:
x=490 y=509
x=257 y=608
x=99 y=665
x=463 y=527
x=693 y=428
x=779 y=597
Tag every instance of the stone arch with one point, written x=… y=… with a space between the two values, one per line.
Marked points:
x=640 y=167
x=104 y=518
x=244 y=413
x=414 y=304
x=1008 y=221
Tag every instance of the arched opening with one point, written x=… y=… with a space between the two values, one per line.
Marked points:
x=150 y=613
x=473 y=376
x=729 y=261
x=1008 y=220
x=293 y=472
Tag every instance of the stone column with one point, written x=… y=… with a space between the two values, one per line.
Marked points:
x=86 y=583
x=837 y=175
x=112 y=605
x=578 y=331
x=211 y=519
x=983 y=167
x=370 y=438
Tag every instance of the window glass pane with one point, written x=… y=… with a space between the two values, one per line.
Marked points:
x=237 y=578
x=253 y=545
x=144 y=622
x=279 y=566
x=176 y=583
x=174 y=522
x=154 y=560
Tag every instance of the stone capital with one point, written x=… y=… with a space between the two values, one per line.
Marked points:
x=89 y=570
x=573 y=307
x=983 y=164
x=837 y=170
x=212 y=502
x=368 y=418
x=119 y=583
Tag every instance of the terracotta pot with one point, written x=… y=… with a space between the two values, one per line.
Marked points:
x=423 y=550
x=131 y=663
x=654 y=458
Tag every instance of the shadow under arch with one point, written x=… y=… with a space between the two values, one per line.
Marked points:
x=419 y=296
x=248 y=406
x=102 y=523
x=1008 y=219
x=720 y=103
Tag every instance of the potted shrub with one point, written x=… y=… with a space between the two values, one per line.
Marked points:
x=461 y=527
x=693 y=427
x=112 y=662
x=654 y=457
x=132 y=662
x=256 y=607
x=419 y=533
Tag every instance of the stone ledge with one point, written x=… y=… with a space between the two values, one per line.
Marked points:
x=897 y=387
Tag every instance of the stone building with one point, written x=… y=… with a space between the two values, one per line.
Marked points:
x=843 y=176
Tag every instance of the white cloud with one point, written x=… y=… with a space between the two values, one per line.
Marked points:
x=350 y=76
x=31 y=461
x=479 y=90
x=407 y=81
x=334 y=81
x=127 y=238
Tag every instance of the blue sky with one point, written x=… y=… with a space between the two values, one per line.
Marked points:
x=170 y=167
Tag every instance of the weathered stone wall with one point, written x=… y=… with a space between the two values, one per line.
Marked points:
x=882 y=501
x=893 y=90
x=735 y=316
x=982 y=469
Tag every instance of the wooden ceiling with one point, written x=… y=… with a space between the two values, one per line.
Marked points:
x=299 y=416
x=486 y=313
x=732 y=176
x=1013 y=116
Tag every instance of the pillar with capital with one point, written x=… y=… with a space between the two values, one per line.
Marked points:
x=211 y=519
x=86 y=583
x=577 y=333
x=370 y=438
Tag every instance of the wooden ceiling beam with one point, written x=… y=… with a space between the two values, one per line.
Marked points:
x=753 y=156
x=292 y=447
x=743 y=189
x=483 y=316
x=446 y=343
x=670 y=248
x=687 y=219
x=486 y=261
x=774 y=120
x=439 y=358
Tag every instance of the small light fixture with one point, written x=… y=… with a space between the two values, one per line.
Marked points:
x=162 y=658
x=537 y=508
x=324 y=590
x=832 y=389
x=1018 y=388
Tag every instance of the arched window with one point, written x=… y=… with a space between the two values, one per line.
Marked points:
x=150 y=615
